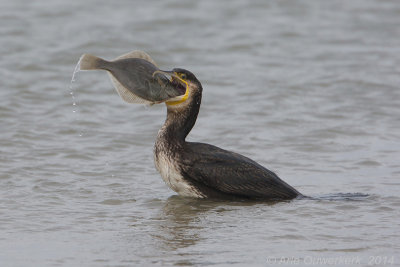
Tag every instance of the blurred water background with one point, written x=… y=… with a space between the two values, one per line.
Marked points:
x=309 y=89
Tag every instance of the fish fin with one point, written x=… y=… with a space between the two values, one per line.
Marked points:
x=138 y=54
x=125 y=94
x=90 y=62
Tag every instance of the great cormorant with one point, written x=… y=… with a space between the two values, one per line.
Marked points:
x=190 y=169
x=202 y=170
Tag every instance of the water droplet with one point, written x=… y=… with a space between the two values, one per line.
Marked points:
x=72 y=93
x=76 y=70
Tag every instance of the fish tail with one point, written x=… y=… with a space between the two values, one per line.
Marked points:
x=90 y=62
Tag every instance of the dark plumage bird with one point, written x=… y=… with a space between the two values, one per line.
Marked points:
x=190 y=169
x=203 y=170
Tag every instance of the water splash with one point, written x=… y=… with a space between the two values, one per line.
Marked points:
x=76 y=70
x=74 y=104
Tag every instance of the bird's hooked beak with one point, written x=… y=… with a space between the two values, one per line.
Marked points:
x=179 y=84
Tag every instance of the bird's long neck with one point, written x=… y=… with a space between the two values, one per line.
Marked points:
x=180 y=122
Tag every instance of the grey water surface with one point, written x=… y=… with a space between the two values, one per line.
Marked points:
x=309 y=89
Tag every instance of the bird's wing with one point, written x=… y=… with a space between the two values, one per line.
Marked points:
x=232 y=173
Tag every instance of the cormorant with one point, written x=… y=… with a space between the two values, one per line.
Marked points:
x=190 y=169
x=202 y=170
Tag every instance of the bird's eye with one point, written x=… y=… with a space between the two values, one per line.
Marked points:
x=183 y=76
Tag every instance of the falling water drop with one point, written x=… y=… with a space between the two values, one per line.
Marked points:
x=76 y=70
x=74 y=103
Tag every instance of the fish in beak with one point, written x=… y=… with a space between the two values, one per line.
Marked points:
x=137 y=78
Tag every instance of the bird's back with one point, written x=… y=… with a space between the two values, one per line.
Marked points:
x=228 y=173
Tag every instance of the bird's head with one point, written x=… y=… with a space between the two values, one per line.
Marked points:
x=187 y=83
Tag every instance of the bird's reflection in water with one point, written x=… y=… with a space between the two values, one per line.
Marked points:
x=187 y=220
x=173 y=230
x=183 y=221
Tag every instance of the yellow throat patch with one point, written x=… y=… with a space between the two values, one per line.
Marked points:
x=184 y=97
